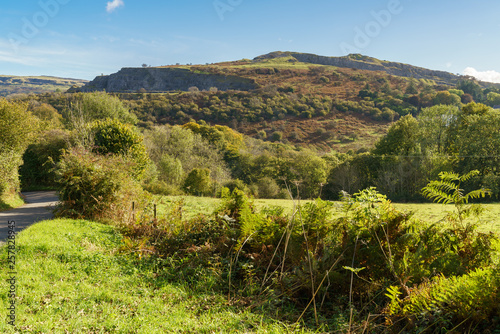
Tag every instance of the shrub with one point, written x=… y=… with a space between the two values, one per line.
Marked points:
x=198 y=182
x=268 y=188
x=17 y=128
x=88 y=107
x=113 y=137
x=454 y=303
x=277 y=136
x=40 y=158
x=163 y=188
x=97 y=187
x=236 y=184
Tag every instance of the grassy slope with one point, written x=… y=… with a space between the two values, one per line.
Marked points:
x=10 y=201
x=71 y=280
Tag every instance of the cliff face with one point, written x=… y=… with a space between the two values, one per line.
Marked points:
x=165 y=79
x=371 y=64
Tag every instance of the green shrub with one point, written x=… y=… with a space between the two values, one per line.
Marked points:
x=110 y=136
x=97 y=187
x=37 y=171
x=457 y=302
x=237 y=184
x=198 y=182
x=17 y=129
x=163 y=188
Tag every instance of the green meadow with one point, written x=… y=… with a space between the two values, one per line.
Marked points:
x=428 y=212
x=72 y=278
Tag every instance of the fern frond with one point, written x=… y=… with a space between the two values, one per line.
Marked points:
x=449 y=176
x=469 y=175
x=437 y=195
x=477 y=194
x=443 y=185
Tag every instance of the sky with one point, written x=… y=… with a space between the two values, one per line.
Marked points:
x=82 y=39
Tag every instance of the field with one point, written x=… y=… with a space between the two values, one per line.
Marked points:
x=428 y=212
x=71 y=278
x=78 y=276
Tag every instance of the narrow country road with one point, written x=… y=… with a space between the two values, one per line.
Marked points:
x=39 y=205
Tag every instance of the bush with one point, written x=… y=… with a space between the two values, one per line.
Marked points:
x=268 y=188
x=277 y=136
x=163 y=188
x=37 y=171
x=198 y=182
x=236 y=184
x=17 y=128
x=97 y=187
x=110 y=136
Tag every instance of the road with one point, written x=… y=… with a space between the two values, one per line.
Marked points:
x=39 y=205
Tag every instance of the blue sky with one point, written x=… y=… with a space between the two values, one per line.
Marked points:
x=82 y=39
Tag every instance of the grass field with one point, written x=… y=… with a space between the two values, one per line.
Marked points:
x=428 y=212
x=71 y=279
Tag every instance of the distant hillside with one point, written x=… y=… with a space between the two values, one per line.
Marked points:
x=361 y=62
x=225 y=76
x=40 y=84
x=339 y=103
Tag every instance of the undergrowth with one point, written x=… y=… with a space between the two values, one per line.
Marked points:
x=356 y=273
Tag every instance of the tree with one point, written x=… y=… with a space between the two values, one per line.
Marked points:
x=472 y=88
x=170 y=169
x=40 y=158
x=434 y=123
x=18 y=127
x=493 y=99
x=447 y=98
x=198 y=182
x=311 y=171
x=88 y=107
x=477 y=142
x=401 y=139
x=113 y=137
x=190 y=149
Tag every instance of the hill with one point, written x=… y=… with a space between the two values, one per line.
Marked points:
x=36 y=84
x=340 y=103
x=172 y=78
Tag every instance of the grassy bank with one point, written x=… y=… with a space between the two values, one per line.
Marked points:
x=10 y=201
x=71 y=278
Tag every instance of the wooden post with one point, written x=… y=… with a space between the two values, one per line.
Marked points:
x=133 y=212
x=155 y=211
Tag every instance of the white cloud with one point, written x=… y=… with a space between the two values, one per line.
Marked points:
x=488 y=76
x=112 y=5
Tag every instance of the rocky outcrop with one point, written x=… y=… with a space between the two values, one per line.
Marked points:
x=154 y=79
x=361 y=62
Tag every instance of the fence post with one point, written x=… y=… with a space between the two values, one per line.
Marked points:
x=133 y=212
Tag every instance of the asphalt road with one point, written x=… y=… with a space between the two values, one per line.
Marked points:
x=39 y=207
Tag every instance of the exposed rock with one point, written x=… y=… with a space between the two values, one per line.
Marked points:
x=165 y=79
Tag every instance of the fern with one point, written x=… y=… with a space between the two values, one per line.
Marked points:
x=448 y=190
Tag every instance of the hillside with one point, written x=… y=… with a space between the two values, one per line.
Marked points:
x=35 y=84
x=327 y=103
x=172 y=78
